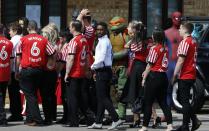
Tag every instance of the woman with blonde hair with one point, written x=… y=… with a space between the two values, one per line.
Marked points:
x=50 y=77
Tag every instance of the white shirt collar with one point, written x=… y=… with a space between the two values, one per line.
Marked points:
x=105 y=36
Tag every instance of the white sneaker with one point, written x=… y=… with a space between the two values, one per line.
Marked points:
x=95 y=126
x=115 y=124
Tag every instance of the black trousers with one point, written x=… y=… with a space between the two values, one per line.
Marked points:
x=76 y=96
x=156 y=88
x=64 y=95
x=184 y=95
x=103 y=78
x=30 y=81
x=14 y=97
x=49 y=99
x=3 y=87
x=132 y=89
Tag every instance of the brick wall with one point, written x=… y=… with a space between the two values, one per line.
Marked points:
x=0 y=10
x=102 y=10
x=196 y=8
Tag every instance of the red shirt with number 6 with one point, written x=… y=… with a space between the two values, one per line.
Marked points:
x=6 y=47
x=78 y=47
x=34 y=50
x=158 y=57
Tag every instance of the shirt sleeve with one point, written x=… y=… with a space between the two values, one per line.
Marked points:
x=183 y=48
x=63 y=54
x=136 y=47
x=152 y=57
x=70 y=49
x=49 y=49
x=89 y=32
x=19 y=48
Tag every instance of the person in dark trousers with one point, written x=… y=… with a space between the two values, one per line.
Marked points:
x=32 y=54
x=88 y=90
x=64 y=38
x=102 y=66
x=139 y=50
x=15 y=31
x=185 y=72
x=48 y=89
x=155 y=81
x=75 y=55
x=6 y=48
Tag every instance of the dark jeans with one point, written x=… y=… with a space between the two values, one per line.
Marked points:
x=3 y=87
x=103 y=78
x=156 y=88
x=184 y=95
x=14 y=97
x=49 y=99
x=76 y=89
x=30 y=80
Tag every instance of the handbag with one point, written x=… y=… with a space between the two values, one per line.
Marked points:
x=137 y=106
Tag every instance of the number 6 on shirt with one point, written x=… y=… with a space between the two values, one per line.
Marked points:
x=35 y=51
x=3 y=53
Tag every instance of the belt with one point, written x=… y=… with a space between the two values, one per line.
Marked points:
x=105 y=68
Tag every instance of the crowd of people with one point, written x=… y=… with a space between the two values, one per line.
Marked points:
x=89 y=60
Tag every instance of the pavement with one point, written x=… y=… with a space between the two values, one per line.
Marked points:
x=177 y=119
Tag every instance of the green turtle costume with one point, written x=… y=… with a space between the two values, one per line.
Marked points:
x=119 y=37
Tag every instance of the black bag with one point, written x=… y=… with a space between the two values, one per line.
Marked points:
x=137 y=106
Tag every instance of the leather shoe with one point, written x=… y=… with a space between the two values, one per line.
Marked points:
x=196 y=125
x=182 y=128
x=3 y=124
x=14 y=118
x=70 y=125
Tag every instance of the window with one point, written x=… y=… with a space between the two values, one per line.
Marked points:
x=154 y=15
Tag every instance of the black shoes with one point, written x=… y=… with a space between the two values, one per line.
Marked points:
x=13 y=118
x=156 y=122
x=47 y=122
x=34 y=123
x=136 y=124
x=61 y=121
x=183 y=128
x=3 y=124
x=70 y=125
x=196 y=124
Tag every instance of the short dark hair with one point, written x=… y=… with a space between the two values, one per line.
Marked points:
x=25 y=21
x=77 y=25
x=32 y=25
x=158 y=36
x=66 y=34
x=2 y=28
x=16 y=27
x=104 y=25
x=188 y=26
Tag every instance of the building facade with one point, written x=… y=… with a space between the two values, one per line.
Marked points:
x=151 y=12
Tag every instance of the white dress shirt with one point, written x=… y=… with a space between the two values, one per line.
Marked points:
x=15 y=40
x=103 y=53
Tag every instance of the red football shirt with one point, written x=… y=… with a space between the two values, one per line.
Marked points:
x=6 y=47
x=188 y=49
x=78 y=46
x=158 y=57
x=34 y=50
